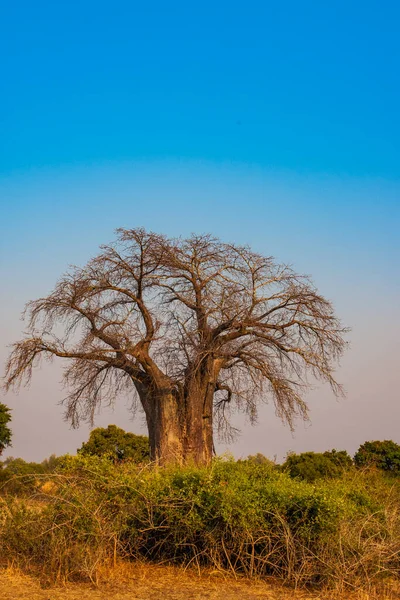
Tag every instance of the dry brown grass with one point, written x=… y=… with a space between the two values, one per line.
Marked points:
x=137 y=581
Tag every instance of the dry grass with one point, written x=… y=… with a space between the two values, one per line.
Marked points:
x=137 y=581
x=339 y=535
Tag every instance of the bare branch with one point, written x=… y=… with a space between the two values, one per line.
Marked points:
x=199 y=325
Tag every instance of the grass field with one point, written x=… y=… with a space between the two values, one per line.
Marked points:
x=144 y=582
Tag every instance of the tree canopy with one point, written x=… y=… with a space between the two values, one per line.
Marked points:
x=116 y=443
x=384 y=455
x=311 y=466
x=192 y=328
x=5 y=431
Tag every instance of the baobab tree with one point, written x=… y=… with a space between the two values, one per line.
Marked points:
x=193 y=328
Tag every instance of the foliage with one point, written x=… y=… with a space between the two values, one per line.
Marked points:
x=258 y=459
x=5 y=431
x=20 y=477
x=116 y=444
x=244 y=517
x=382 y=455
x=18 y=466
x=311 y=466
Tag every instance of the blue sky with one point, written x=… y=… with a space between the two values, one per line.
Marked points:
x=273 y=124
x=310 y=86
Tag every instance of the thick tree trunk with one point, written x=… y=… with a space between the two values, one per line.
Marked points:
x=165 y=430
x=179 y=433
x=198 y=442
x=180 y=428
x=164 y=421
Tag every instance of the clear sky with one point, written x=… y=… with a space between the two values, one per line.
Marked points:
x=273 y=124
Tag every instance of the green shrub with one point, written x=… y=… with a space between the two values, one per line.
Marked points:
x=258 y=459
x=311 y=466
x=382 y=455
x=117 y=444
x=5 y=431
x=20 y=477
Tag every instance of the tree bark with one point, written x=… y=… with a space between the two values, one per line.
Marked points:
x=198 y=439
x=164 y=424
x=165 y=430
x=180 y=430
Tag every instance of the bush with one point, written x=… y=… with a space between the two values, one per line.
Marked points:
x=20 y=477
x=258 y=459
x=382 y=455
x=245 y=517
x=117 y=444
x=311 y=466
x=5 y=431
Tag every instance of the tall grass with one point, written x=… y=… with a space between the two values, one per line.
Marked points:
x=246 y=518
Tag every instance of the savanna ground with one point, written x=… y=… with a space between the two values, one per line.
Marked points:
x=149 y=582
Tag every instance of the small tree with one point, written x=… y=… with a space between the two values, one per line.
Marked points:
x=382 y=455
x=196 y=327
x=311 y=466
x=5 y=431
x=116 y=443
x=258 y=459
